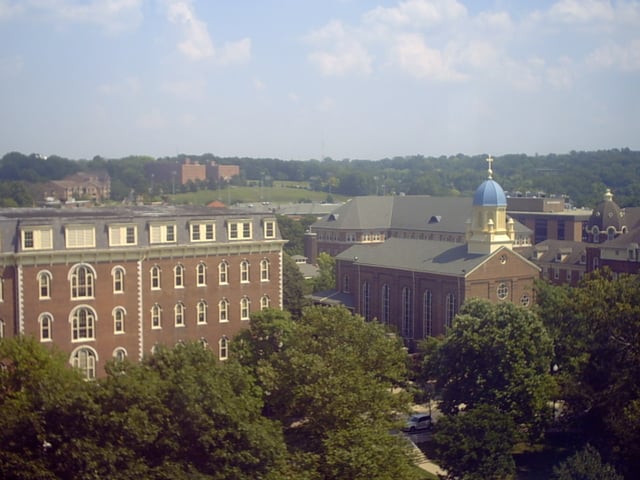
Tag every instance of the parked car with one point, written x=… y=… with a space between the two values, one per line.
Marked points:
x=418 y=421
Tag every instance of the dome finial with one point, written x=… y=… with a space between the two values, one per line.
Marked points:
x=490 y=161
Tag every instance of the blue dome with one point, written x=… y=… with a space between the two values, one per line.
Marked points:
x=490 y=194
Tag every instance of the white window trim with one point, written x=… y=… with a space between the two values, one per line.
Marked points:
x=42 y=237
x=40 y=318
x=118 y=235
x=201 y=228
x=124 y=316
x=159 y=233
x=80 y=236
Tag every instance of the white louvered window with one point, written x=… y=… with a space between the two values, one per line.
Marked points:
x=122 y=235
x=37 y=238
x=80 y=236
x=162 y=233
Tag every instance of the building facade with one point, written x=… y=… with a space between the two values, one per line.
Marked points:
x=416 y=285
x=115 y=283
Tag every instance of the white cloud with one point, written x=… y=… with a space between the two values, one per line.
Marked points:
x=339 y=51
x=625 y=58
x=414 y=56
x=417 y=13
x=152 y=120
x=234 y=52
x=582 y=11
x=196 y=43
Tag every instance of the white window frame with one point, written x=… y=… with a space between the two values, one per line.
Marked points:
x=201 y=312
x=83 y=329
x=223 y=311
x=265 y=302
x=245 y=309
x=82 y=279
x=155 y=277
x=41 y=238
x=201 y=274
x=179 y=315
x=156 y=317
x=223 y=273
x=162 y=233
x=269 y=229
x=118 y=274
x=203 y=231
x=240 y=229
x=46 y=327
x=80 y=236
x=44 y=284
x=178 y=276
x=265 y=270
x=119 y=314
x=223 y=348
x=85 y=359
x=244 y=271
x=122 y=235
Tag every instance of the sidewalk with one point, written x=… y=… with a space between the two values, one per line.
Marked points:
x=426 y=464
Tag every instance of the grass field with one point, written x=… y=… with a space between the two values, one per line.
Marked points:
x=279 y=194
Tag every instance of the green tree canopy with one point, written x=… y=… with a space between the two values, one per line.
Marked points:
x=476 y=445
x=497 y=355
x=585 y=465
x=329 y=378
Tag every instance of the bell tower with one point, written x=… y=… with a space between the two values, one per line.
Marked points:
x=488 y=228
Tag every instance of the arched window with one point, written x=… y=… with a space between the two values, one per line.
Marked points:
x=84 y=359
x=450 y=310
x=366 y=301
x=427 y=313
x=46 y=327
x=265 y=302
x=178 y=276
x=118 y=319
x=503 y=290
x=120 y=354
x=201 y=309
x=223 y=273
x=44 y=284
x=223 y=347
x=386 y=304
x=155 y=277
x=407 y=312
x=244 y=271
x=83 y=320
x=611 y=233
x=156 y=316
x=82 y=279
x=245 y=305
x=118 y=279
x=264 y=270
x=201 y=274
x=178 y=314
x=223 y=310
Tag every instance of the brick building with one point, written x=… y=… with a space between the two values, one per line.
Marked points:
x=417 y=284
x=114 y=283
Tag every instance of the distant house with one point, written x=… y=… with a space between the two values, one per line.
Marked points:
x=185 y=171
x=94 y=186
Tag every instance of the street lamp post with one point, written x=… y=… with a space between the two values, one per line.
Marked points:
x=554 y=370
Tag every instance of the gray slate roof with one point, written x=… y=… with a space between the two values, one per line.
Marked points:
x=416 y=255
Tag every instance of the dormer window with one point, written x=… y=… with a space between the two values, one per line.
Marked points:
x=435 y=219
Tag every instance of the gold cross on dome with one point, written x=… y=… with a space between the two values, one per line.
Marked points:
x=490 y=161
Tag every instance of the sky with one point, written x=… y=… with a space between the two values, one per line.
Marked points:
x=309 y=79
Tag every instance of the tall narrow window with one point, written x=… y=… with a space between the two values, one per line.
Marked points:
x=450 y=310
x=178 y=276
x=386 y=304
x=156 y=316
x=155 y=277
x=118 y=280
x=178 y=314
x=366 y=301
x=265 y=302
x=84 y=359
x=407 y=312
x=46 y=327
x=223 y=345
x=201 y=310
x=118 y=320
x=201 y=274
x=223 y=273
x=264 y=270
x=427 y=313
x=244 y=308
x=82 y=281
x=83 y=324
x=223 y=311
x=244 y=271
x=44 y=285
x=345 y=284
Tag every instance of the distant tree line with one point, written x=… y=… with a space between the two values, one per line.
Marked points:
x=582 y=176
